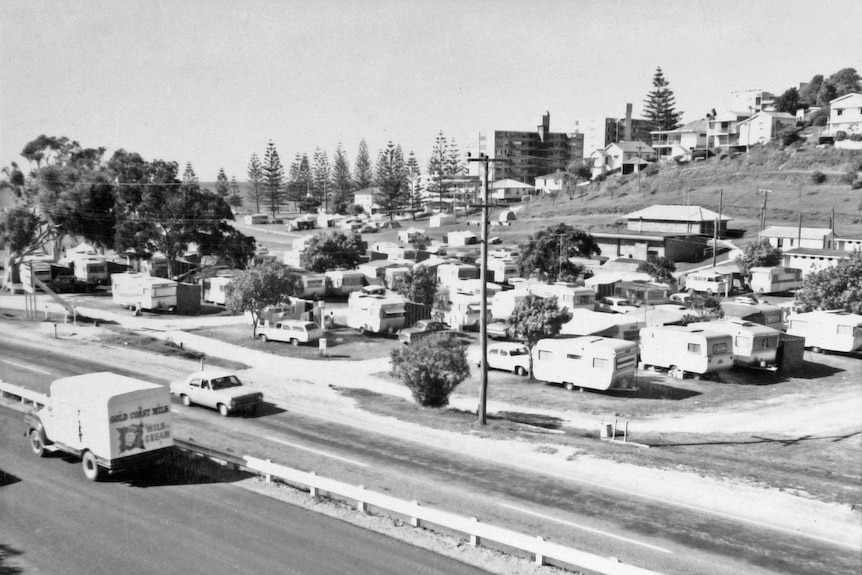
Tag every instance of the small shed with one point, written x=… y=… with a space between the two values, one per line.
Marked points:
x=461 y=238
x=252 y=219
x=439 y=220
x=507 y=216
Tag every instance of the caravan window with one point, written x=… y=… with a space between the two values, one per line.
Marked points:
x=798 y=324
x=772 y=318
x=600 y=363
x=743 y=342
x=719 y=348
x=545 y=354
x=573 y=356
x=845 y=329
x=694 y=348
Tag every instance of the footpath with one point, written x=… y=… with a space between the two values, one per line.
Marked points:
x=307 y=387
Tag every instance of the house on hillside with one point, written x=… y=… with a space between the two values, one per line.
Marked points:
x=680 y=142
x=619 y=156
x=677 y=219
x=509 y=191
x=811 y=260
x=550 y=183
x=722 y=130
x=845 y=115
x=789 y=237
x=763 y=127
x=642 y=246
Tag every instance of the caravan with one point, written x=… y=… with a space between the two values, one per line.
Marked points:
x=590 y=362
x=342 y=282
x=775 y=279
x=686 y=349
x=568 y=295
x=754 y=345
x=828 y=330
x=136 y=290
x=375 y=313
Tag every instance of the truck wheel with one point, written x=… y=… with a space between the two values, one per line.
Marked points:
x=294 y=341
x=37 y=443
x=222 y=408
x=520 y=371
x=187 y=401
x=91 y=468
x=263 y=338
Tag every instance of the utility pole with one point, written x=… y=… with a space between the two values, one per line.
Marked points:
x=763 y=208
x=483 y=277
x=717 y=225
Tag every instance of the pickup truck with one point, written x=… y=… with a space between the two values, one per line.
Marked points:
x=221 y=390
x=423 y=328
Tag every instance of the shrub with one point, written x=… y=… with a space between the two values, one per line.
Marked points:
x=651 y=170
x=840 y=135
x=818 y=177
x=856 y=137
x=431 y=368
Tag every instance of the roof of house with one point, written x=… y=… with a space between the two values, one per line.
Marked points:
x=693 y=126
x=509 y=183
x=795 y=232
x=841 y=100
x=674 y=213
x=370 y=190
x=635 y=146
x=555 y=176
x=774 y=115
x=841 y=254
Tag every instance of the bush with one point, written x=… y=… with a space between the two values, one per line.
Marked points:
x=840 y=135
x=818 y=177
x=856 y=137
x=651 y=170
x=431 y=368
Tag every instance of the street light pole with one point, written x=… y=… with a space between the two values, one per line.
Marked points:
x=483 y=278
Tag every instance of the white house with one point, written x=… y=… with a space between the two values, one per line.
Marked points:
x=811 y=260
x=615 y=155
x=550 y=183
x=723 y=129
x=509 y=190
x=790 y=237
x=763 y=127
x=676 y=219
x=681 y=141
x=367 y=198
x=845 y=115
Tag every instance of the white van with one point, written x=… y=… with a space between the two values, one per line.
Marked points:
x=711 y=283
x=294 y=331
x=830 y=330
x=754 y=345
x=686 y=349
x=376 y=313
x=588 y=362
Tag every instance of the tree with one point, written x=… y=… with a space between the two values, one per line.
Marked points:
x=321 y=173
x=13 y=180
x=837 y=287
x=788 y=102
x=546 y=253
x=273 y=179
x=414 y=177
x=389 y=178
x=23 y=232
x=845 y=81
x=260 y=287
x=235 y=197
x=437 y=167
x=757 y=254
x=336 y=250
x=255 y=178
x=222 y=184
x=418 y=286
x=535 y=318
x=454 y=161
x=341 y=184
x=362 y=171
x=808 y=92
x=704 y=308
x=659 y=268
x=660 y=105
x=431 y=368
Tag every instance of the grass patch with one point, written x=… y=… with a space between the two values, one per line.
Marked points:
x=123 y=338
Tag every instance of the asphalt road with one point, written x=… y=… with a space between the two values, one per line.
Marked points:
x=653 y=534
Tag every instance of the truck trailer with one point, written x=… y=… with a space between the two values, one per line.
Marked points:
x=110 y=421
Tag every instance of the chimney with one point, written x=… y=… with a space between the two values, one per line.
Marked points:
x=628 y=128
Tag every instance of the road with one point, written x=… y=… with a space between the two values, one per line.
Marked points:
x=654 y=534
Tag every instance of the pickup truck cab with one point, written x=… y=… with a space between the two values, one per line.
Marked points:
x=221 y=390
x=422 y=329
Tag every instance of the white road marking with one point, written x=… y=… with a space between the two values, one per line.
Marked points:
x=590 y=529
x=21 y=365
x=302 y=447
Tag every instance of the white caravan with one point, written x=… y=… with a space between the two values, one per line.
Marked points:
x=686 y=349
x=589 y=362
x=828 y=330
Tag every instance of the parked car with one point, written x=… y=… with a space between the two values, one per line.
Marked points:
x=291 y=330
x=508 y=356
x=422 y=329
x=615 y=305
x=497 y=330
x=221 y=390
x=682 y=298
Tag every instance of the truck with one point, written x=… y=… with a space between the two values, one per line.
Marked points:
x=686 y=350
x=754 y=345
x=375 y=313
x=111 y=422
x=140 y=291
x=589 y=362
x=832 y=330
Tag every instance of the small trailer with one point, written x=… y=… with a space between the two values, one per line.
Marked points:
x=140 y=291
x=754 y=345
x=590 y=362
x=686 y=349
x=828 y=330
x=375 y=313
x=342 y=282
x=777 y=279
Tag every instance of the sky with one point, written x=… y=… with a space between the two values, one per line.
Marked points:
x=213 y=81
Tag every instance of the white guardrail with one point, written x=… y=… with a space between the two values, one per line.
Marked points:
x=541 y=550
x=476 y=531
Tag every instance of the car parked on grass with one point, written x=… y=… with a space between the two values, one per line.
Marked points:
x=508 y=356
x=290 y=330
x=221 y=390
x=422 y=328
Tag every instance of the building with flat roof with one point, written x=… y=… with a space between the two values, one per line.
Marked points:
x=530 y=153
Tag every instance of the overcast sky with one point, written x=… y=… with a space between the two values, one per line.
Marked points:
x=211 y=82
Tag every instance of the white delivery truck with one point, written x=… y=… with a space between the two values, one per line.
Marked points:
x=376 y=313
x=590 y=362
x=137 y=290
x=834 y=330
x=686 y=349
x=112 y=422
x=754 y=345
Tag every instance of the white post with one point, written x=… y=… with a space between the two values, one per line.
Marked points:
x=475 y=541
x=414 y=521
x=540 y=557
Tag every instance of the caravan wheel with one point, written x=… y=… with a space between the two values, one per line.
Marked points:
x=570 y=386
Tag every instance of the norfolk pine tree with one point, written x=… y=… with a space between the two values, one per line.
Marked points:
x=660 y=105
x=363 y=174
x=255 y=179
x=273 y=179
x=341 y=182
x=222 y=184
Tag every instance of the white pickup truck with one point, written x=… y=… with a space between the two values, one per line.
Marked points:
x=221 y=390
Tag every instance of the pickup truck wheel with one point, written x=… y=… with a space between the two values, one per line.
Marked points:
x=91 y=468
x=187 y=401
x=222 y=408
x=37 y=443
x=294 y=341
x=520 y=371
x=263 y=338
